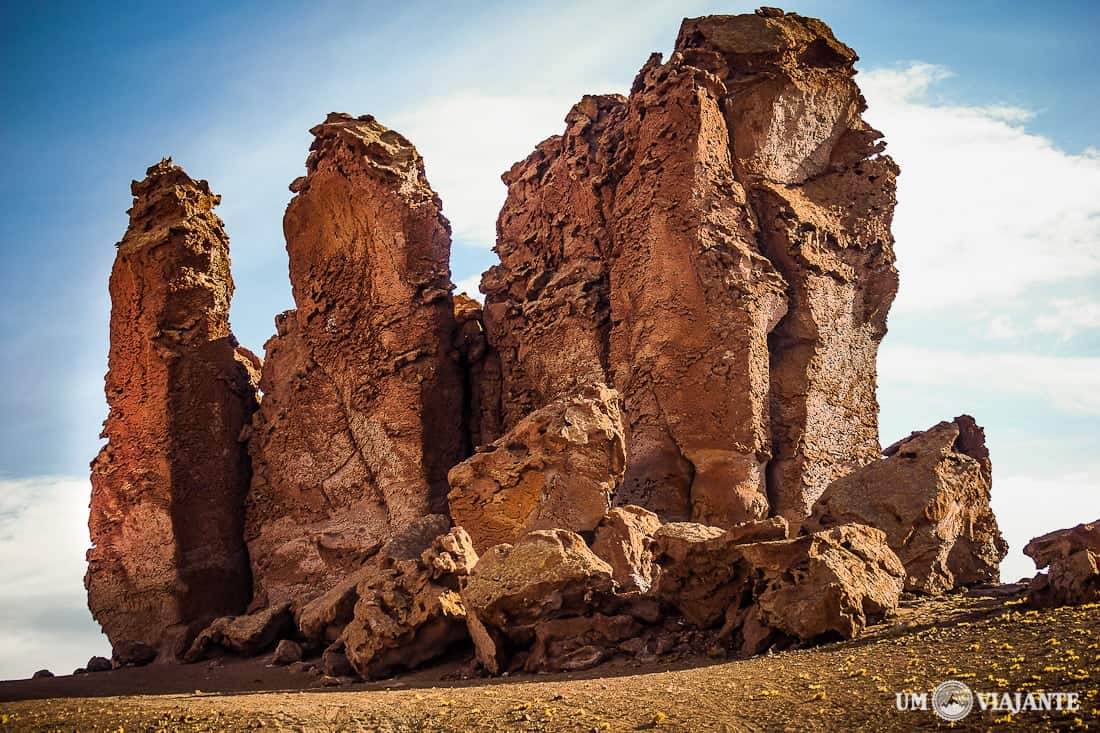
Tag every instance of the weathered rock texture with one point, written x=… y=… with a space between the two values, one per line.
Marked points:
x=1072 y=559
x=411 y=611
x=931 y=498
x=362 y=409
x=481 y=372
x=623 y=540
x=717 y=247
x=825 y=585
x=323 y=619
x=168 y=488
x=556 y=468
x=243 y=636
x=514 y=591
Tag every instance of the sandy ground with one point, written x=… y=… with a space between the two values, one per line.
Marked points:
x=989 y=640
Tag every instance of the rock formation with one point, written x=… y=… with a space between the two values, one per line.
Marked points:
x=481 y=370
x=556 y=468
x=693 y=284
x=717 y=247
x=829 y=583
x=244 y=636
x=515 y=589
x=324 y=618
x=361 y=417
x=623 y=540
x=931 y=498
x=411 y=611
x=1072 y=559
x=168 y=488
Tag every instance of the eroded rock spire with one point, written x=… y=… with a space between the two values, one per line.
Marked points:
x=363 y=398
x=168 y=488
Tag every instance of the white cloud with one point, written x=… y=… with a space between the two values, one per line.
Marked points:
x=1068 y=383
x=469 y=285
x=44 y=617
x=468 y=140
x=1028 y=506
x=1069 y=317
x=986 y=210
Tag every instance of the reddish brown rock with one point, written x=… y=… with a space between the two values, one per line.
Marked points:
x=556 y=468
x=1072 y=559
x=481 y=371
x=515 y=589
x=829 y=584
x=623 y=541
x=244 y=636
x=659 y=241
x=773 y=591
x=168 y=487
x=361 y=417
x=931 y=498
x=411 y=611
x=823 y=198
x=323 y=619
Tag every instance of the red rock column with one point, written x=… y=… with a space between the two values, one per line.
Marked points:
x=547 y=305
x=824 y=197
x=168 y=488
x=692 y=302
x=363 y=398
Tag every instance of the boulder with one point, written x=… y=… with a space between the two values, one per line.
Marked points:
x=323 y=619
x=168 y=487
x=244 y=636
x=716 y=247
x=515 y=589
x=412 y=611
x=286 y=652
x=1072 y=559
x=701 y=574
x=556 y=468
x=623 y=540
x=700 y=569
x=334 y=662
x=42 y=674
x=363 y=398
x=931 y=497
x=134 y=653
x=98 y=664
x=826 y=585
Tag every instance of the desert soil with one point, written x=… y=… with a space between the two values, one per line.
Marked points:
x=986 y=638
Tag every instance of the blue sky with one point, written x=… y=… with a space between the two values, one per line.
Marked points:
x=990 y=108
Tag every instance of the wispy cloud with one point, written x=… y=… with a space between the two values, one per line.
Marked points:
x=986 y=210
x=44 y=618
x=1067 y=383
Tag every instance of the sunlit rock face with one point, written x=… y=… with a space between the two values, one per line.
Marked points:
x=717 y=247
x=168 y=488
x=363 y=397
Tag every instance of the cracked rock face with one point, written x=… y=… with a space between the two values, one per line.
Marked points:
x=717 y=248
x=931 y=497
x=362 y=409
x=556 y=469
x=168 y=488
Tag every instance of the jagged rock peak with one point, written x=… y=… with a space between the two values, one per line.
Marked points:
x=364 y=141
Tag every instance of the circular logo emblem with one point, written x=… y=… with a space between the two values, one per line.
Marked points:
x=952 y=700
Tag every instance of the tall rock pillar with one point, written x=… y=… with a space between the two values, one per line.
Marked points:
x=168 y=488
